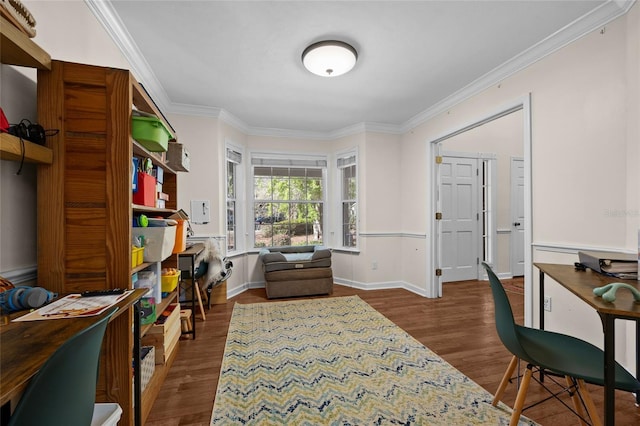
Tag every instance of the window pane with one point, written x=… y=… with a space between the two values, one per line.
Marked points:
x=290 y=219
x=231 y=180
x=231 y=225
x=349 y=183
x=349 y=224
x=262 y=188
x=281 y=188
x=314 y=189
x=298 y=188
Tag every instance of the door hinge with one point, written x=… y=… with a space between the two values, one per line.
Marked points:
x=438 y=272
x=438 y=216
x=477 y=260
x=438 y=159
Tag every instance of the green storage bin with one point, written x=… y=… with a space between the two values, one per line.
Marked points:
x=150 y=132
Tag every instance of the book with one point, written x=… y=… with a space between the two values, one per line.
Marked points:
x=74 y=306
x=618 y=265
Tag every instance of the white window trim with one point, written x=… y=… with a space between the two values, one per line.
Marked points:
x=338 y=190
x=240 y=198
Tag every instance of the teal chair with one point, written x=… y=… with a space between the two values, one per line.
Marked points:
x=63 y=391
x=558 y=354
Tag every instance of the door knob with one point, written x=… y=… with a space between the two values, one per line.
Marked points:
x=516 y=224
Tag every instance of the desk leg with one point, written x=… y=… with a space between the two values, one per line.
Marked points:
x=193 y=295
x=608 y=324
x=638 y=359
x=137 y=379
x=541 y=313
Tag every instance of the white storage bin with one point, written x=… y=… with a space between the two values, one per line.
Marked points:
x=106 y=414
x=158 y=241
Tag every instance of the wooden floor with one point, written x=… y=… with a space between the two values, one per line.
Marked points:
x=459 y=327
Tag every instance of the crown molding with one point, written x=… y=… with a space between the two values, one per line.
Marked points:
x=598 y=17
x=111 y=22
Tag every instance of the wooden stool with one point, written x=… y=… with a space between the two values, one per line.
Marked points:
x=185 y=320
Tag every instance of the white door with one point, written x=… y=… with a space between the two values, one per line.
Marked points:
x=459 y=224
x=517 y=217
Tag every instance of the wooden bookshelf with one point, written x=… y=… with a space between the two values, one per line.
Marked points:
x=18 y=49
x=11 y=149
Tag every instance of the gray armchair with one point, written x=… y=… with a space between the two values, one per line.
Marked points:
x=297 y=271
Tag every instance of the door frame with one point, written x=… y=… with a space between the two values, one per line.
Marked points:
x=434 y=283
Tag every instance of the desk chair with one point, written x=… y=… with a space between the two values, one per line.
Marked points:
x=558 y=354
x=63 y=391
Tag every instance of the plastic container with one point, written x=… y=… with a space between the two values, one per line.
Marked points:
x=158 y=242
x=106 y=414
x=150 y=132
x=137 y=256
x=181 y=236
x=146 y=193
x=170 y=281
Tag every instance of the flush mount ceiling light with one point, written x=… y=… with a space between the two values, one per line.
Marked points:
x=329 y=58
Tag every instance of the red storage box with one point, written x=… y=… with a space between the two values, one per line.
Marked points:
x=146 y=193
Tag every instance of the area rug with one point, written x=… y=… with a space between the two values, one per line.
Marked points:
x=338 y=361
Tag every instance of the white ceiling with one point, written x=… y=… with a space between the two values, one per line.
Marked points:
x=241 y=60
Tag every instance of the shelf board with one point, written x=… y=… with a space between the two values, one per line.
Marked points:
x=146 y=209
x=11 y=149
x=16 y=48
x=141 y=151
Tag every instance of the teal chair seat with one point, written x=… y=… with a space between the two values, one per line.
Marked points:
x=63 y=391
x=577 y=360
x=566 y=354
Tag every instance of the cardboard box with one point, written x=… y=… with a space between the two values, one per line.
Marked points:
x=178 y=157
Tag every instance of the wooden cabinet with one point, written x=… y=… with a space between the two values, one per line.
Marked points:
x=85 y=209
x=18 y=49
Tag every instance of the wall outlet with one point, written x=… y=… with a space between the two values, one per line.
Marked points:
x=547 y=303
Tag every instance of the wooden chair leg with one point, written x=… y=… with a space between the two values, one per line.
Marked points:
x=522 y=395
x=505 y=380
x=588 y=402
x=575 y=397
x=199 y=298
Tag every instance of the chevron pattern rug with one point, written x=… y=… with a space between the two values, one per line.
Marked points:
x=338 y=361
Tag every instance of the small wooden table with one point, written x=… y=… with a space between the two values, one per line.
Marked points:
x=26 y=345
x=582 y=283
